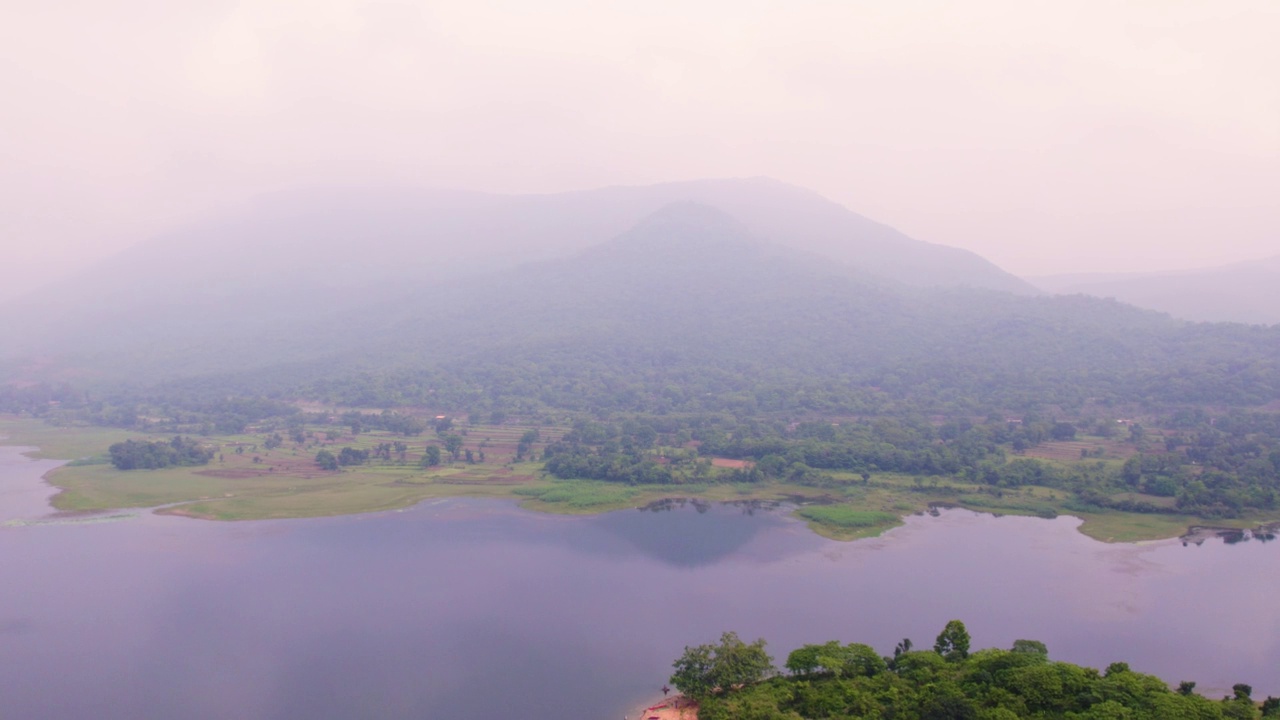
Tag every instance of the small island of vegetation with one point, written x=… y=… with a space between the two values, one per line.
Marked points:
x=737 y=680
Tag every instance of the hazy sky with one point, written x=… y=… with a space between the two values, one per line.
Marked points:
x=1048 y=136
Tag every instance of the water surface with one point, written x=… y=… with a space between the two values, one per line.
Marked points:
x=23 y=493
x=477 y=610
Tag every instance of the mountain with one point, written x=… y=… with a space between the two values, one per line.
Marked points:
x=284 y=254
x=1247 y=292
x=688 y=309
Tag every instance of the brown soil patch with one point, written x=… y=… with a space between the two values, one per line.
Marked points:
x=234 y=474
x=730 y=463
x=1070 y=450
x=677 y=708
x=183 y=512
x=296 y=468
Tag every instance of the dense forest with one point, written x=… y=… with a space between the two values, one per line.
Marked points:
x=736 y=680
x=1212 y=467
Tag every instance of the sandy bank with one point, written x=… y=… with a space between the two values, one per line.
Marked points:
x=674 y=708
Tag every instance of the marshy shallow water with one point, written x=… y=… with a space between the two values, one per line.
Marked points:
x=480 y=611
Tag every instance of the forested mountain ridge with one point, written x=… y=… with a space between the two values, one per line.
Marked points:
x=687 y=310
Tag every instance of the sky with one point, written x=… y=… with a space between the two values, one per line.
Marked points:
x=1050 y=137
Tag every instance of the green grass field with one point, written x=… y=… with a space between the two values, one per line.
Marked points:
x=59 y=443
x=256 y=483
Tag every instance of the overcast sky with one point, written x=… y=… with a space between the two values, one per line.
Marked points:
x=1047 y=136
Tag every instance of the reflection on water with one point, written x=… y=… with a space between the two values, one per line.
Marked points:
x=685 y=533
x=476 y=610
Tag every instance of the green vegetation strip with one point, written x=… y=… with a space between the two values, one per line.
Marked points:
x=245 y=479
x=734 y=680
x=579 y=495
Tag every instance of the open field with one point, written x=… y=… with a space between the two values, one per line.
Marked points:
x=246 y=481
x=1093 y=447
x=59 y=443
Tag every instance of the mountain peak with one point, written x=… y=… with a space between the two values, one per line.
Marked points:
x=692 y=216
x=681 y=230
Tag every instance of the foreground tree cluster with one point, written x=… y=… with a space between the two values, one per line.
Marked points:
x=736 y=680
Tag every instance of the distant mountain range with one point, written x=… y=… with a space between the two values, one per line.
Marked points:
x=292 y=253
x=717 y=289
x=1247 y=292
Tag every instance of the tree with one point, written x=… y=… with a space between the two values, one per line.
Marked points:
x=453 y=443
x=945 y=701
x=832 y=658
x=739 y=663
x=804 y=660
x=1063 y=431
x=526 y=443
x=431 y=457
x=953 y=641
x=693 y=671
x=326 y=460
x=731 y=664
x=352 y=456
x=1032 y=647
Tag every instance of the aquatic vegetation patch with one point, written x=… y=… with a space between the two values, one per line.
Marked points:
x=579 y=495
x=844 y=516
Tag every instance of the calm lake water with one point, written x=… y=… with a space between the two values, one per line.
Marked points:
x=476 y=610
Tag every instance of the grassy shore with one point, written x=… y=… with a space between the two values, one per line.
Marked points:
x=248 y=482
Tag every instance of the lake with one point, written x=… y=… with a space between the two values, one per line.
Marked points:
x=477 y=610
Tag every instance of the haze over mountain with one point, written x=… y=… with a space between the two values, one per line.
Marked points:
x=1072 y=137
x=290 y=256
x=689 y=301
x=347 y=235
x=1247 y=292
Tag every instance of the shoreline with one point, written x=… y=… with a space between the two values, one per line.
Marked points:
x=669 y=707
x=290 y=494
x=31 y=499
